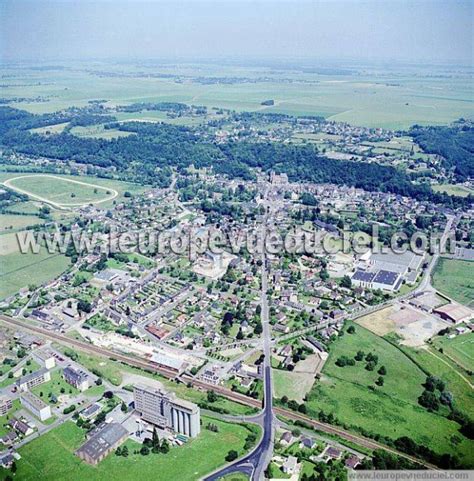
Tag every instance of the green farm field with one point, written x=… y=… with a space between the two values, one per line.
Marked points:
x=19 y=270
x=12 y=222
x=52 y=458
x=392 y=410
x=460 y=349
x=453 y=189
x=370 y=96
x=455 y=279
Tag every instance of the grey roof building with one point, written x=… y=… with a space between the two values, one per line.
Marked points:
x=34 y=379
x=75 y=377
x=104 y=440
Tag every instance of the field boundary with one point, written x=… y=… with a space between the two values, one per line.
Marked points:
x=61 y=206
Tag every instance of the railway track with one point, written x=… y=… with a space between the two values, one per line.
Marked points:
x=231 y=395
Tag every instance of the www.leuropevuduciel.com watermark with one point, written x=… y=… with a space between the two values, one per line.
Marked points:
x=410 y=475
x=194 y=242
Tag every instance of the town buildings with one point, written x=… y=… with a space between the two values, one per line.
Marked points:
x=5 y=405
x=74 y=377
x=45 y=358
x=166 y=411
x=454 y=312
x=36 y=378
x=35 y=405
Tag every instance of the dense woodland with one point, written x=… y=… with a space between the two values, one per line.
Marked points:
x=454 y=143
x=148 y=155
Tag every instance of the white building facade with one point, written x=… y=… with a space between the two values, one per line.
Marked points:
x=166 y=411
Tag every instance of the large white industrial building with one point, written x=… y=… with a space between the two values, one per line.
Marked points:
x=166 y=411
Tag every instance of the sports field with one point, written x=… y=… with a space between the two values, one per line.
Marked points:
x=391 y=410
x=60 y=192
x=69 y=191
x=455 y=278
x=51 y=458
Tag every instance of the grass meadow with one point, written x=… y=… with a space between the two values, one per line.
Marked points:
x=52 y=458
x=391 y=410
x=453 y=189
x=19 y=270
x=12 y=222
x=455 y=279
x=460 y=349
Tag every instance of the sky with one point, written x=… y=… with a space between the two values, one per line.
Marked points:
x=405 y=30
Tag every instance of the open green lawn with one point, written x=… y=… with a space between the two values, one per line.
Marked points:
x=457 y=381
x=60 y=190
x=453 y=189
x=391 y=410
x=54 y=387
x=12 y=222
x=51 y=457
x=20 y=270
x=455 y=279
x=61 y=186
x=461 y=349
x=292 y=384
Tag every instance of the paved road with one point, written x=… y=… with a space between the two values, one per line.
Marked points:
x=255 y=463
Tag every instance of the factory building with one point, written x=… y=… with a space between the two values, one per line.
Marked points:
x=166 y=411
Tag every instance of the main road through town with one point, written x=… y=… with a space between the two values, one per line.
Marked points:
x=255 y=463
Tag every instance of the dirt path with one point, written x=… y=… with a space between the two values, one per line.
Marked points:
x=60 y=206
x=464 y=378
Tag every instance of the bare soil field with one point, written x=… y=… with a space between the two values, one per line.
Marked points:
x=414 y=325
x=378 y=322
